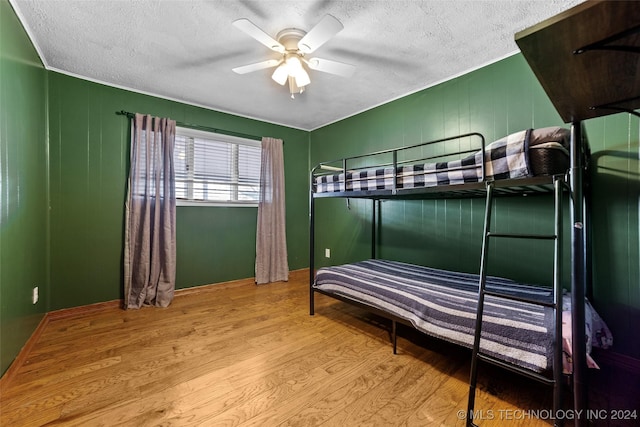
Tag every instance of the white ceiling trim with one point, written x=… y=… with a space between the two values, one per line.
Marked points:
x=168 y=98
x=430 y=85
x=30 y=34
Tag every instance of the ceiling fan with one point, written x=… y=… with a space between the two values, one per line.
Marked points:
x=293 y=45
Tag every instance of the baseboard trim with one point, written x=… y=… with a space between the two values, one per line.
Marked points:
x=213 y=286
x=293 y=275
x=24 y=352
x=85 y=310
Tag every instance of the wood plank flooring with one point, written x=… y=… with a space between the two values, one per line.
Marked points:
x=246 y=355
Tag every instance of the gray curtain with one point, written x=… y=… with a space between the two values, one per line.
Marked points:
x=271 y=239
x=150 y=214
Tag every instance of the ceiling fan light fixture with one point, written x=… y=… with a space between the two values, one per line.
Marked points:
x=296 y=70
x=302 y=77
x=293 y=62
x=294 y=88
x=293 y=44
x=281 y=74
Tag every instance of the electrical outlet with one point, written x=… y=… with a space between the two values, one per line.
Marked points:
x=327 y=253
x=34 y=295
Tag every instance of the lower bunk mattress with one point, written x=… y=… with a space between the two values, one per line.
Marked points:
x=443 y=304
x=527 y=153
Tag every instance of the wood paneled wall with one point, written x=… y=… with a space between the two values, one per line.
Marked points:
x=23 y=187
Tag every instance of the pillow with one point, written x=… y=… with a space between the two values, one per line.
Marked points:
x=550 y=134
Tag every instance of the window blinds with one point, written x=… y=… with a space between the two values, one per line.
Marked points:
x=216 y=168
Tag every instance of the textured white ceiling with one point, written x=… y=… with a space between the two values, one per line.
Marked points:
x=185 y=50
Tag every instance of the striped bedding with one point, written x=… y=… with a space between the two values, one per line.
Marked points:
x=505 y=158
x=443 y=304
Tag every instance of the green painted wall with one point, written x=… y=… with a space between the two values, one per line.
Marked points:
x=496 y=100
x=23 y=186
x=89 y=166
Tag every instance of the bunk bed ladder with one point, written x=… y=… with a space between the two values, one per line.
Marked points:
x=556 y=381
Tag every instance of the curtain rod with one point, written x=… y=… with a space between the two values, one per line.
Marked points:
x=199 y=127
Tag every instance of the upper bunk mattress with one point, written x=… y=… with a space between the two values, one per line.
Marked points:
x=506 y=158
x=443 y=304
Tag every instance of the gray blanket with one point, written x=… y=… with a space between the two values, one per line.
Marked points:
x=443 y=304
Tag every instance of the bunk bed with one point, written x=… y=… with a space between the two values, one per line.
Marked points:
x=574 y=47
x=514 y=325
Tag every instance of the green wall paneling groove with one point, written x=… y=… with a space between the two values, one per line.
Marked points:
x=23 y=187
x=496 y=100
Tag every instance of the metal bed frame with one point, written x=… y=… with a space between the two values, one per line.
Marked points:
x=489 y=189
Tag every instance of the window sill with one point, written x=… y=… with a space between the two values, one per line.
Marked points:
x=216 y=204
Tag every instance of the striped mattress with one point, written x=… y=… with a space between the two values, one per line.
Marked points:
x=506 y=158
x=443 y=304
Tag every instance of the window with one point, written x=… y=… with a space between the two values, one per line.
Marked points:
x=216 y=169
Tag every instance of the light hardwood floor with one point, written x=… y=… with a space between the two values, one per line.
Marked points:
x=244 y=355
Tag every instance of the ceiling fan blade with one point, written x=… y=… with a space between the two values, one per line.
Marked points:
x=331 y=67
x=252 y=30
x=257 y=66
x=320 y=34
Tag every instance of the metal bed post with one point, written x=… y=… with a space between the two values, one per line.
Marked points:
x=394 y=185
x=558 y=184
x=586 y=206
x=578 y=275
x=373 y=228
x=394 y=336
x=311 y=245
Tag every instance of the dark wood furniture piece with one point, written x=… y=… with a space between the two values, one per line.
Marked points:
x=587 y=58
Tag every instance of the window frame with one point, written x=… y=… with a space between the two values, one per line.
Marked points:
x=218 y=137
